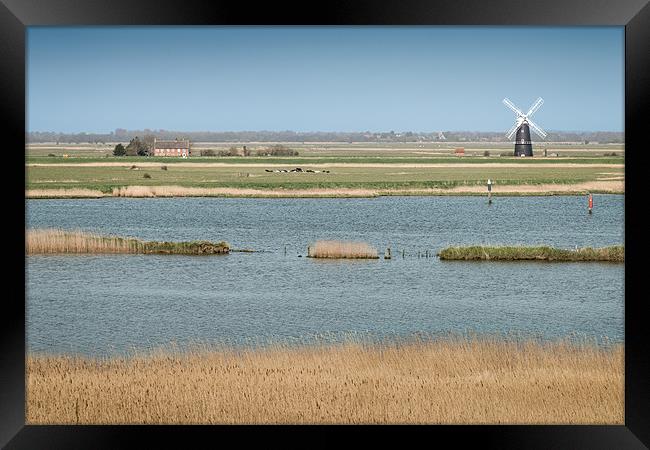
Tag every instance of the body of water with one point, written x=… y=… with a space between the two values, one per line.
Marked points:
x=106 y=304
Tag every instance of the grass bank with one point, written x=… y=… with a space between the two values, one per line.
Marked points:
x=520 y=253
x=360 y=190
x=44 y=241
x=342 y=250
x=446 y=381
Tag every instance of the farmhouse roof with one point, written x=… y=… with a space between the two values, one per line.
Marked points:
x=172 y=144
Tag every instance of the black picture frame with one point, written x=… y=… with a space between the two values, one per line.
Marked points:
x=16 y=15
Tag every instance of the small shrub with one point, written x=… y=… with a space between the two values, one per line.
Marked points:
x=486 y=153
x=119 y=150
x=134 y=167
x=208 y=152
x=51 y=154
x=146 y=175
x=162 y=168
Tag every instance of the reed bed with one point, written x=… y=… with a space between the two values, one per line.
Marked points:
x=342 y=249
x=64 y=193
x=188 y=191
x=430 y=382
x=45 y=241
x=474 y=253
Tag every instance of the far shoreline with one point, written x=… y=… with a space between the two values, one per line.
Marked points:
x=512 y=190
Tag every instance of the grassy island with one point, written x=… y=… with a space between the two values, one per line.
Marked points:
x=543 y=253
x=44 y=241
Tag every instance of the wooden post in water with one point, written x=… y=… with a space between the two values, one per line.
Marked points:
x=387 y=255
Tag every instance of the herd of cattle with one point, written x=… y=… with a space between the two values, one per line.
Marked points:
x=297 y=169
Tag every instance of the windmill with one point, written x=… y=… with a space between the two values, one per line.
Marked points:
x=523 y=124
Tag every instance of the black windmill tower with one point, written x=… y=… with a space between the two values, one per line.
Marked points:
x=523 y=124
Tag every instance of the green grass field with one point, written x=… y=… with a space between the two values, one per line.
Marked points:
x=106 y=178
x=377 y=166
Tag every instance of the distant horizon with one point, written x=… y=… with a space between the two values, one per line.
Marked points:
x=158 y=130
x=322 y=77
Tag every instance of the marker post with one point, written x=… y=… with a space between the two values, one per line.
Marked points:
x=489 y=186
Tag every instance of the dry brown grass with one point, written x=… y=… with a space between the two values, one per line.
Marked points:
x=63 y=193
x=444 y=381
x=610 y=187
x=342 y=249
x=599 y=186
x=183 y=191
x=42 y=241
x=49 y=241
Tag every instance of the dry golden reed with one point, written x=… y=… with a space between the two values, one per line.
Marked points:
x=434 y=382
x=41 y=241
x=601 y=186
x=47 y=241
x=342 y=249
x=185 y=191
x=64 y=193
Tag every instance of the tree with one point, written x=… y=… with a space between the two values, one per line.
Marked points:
x=119 y=150
x=136 y=147
x=148 y=142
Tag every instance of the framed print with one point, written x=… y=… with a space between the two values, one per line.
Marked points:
x=379 y=214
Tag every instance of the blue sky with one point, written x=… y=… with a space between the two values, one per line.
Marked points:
x=97 y=79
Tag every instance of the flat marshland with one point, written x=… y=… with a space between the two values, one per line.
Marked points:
x=339 y=149
x=443 y=381
x=540 y=253
x=352 y=170
x=342 y=249
x=48 y=241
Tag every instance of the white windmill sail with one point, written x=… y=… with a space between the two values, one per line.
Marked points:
x=522 y=118
x=523 y=124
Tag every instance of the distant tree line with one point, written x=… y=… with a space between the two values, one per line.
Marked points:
x=122 y=135
x=273 y=150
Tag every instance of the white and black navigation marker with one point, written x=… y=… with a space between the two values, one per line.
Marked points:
x=523 y=124
x=489 y=186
